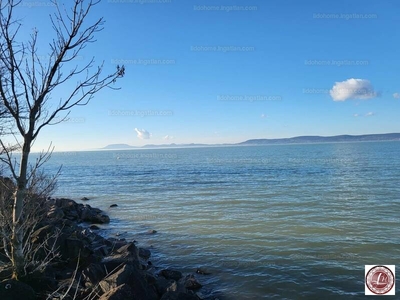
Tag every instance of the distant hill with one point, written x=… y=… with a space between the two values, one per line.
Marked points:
x=326 y=139
x=176 y=145
x=293 y=140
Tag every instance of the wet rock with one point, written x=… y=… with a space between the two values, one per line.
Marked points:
x=202 y=271
x=16 y=290
x=171 y=274
x=115 y=243
x=191 y=282
x=129 y=248
x=93 y=215
x=144 y=253
x=116 y=260
x=85 y=199
x=151 y=231
x=113 y=205
x=165 y=285
x=94 y=227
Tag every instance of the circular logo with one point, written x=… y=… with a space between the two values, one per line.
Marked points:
x=379 y=280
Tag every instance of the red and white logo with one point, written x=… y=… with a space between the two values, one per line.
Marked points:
x=380 y=280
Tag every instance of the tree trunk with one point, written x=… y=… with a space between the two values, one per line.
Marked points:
x=17 y=238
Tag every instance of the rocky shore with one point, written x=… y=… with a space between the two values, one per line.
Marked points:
x=87 y=266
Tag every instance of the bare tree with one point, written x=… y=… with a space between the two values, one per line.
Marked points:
x=26 y=85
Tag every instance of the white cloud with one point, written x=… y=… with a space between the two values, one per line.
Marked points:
x=143 y=134
x=263 y=116
x=352 y=89
x=356 y=115
x=396 y=95
x=168 y=137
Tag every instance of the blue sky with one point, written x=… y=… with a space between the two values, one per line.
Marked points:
x=228 y=71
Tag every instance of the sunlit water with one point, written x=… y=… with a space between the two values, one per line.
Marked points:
x=269 y=222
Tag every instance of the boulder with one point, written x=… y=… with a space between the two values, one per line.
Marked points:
x=93 y=215
x=165 y=285
x=93 y=274
x=191 y=283
x=202 y=271
x=94 y=227
x=113 y=262
x=74 y=248
x=171 y=274
x=16 y=290
x=144 y=253
x=129 y=248
x=134 y=279
x=113 y=205
x=121 y=292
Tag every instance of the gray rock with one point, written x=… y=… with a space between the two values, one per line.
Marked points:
x=16 y=290
x=121 y=292
x=122 y=257
x=94 y=227
x=144 y=253
x=93 y=274
x=171 y=274
x=165 y=285
x=202 y=271
x=134 y=279
x=191 y=282
x=93 y=215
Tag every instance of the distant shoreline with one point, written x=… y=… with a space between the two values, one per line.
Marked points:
x=281 y=141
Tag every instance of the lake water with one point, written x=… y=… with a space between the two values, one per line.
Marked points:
x=269 y=222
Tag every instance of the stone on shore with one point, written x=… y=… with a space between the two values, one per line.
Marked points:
x=134 y=279
x=191 y=282
x=144 y=253
x=121 y=292
x=16 y=290
x=171 y=274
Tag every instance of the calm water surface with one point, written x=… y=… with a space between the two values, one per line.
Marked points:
x=269 y=222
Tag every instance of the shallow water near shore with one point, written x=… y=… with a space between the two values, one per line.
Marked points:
x=269 y=222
